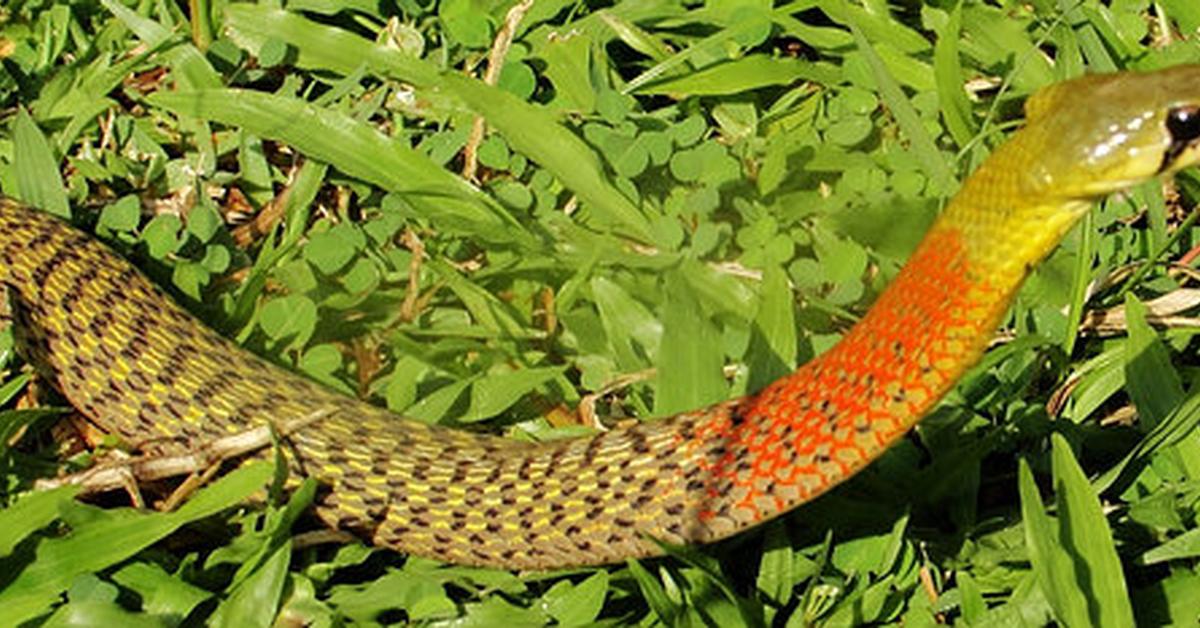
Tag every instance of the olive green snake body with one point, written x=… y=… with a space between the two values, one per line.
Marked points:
x=137 y=364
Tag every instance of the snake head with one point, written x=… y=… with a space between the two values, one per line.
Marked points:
x=1102 y=133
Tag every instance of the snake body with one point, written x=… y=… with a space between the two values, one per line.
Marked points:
x=139 y=365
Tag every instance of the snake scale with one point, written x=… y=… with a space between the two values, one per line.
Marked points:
x=140 y=366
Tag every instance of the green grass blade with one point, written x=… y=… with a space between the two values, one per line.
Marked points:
x=712 y=45
x=740 y=75
x=38 y=180
x=974 y=608
x=321 y=47
x=1079 y=282
x=923 y=147
x=1002 y=41
x=947 y=70
x=690 y=357
x=578 y=605
x=1184 y=546
x=486 y=310
x=875 y=26
x=1150 y=196
x=816 y=36
x=1150 y=378
x=162 y=593
x=661 y=604
x=634 y=37
x=353 y=147
x=775 y=571
x=1087 y=25
x=772 y=351
x=1053 y=566
x=190 y=67
x=627 y=324
x=29 y=514
x=1152 y=382
x=254 y=600
x=1086 y=536
x=1179 y=425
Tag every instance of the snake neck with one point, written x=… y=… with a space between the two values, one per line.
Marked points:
x=1008 y=215
x=810 y=430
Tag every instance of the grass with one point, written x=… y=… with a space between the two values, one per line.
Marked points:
x=674 y=203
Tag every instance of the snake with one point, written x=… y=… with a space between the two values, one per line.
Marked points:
x=136 y=363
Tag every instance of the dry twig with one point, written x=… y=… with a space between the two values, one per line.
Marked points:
x=500 y=46
x=201 y=462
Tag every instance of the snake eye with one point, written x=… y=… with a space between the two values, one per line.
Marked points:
x=1183 y=123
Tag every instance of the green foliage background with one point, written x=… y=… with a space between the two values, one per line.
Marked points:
x=676 y=202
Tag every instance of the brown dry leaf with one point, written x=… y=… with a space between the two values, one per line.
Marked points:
x=1163 y=311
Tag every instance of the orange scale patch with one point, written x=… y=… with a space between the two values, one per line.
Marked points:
x=825 y=401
